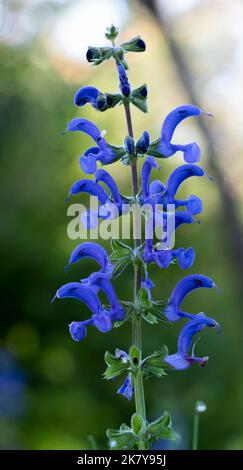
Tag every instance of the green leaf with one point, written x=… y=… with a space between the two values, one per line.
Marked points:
x=97 y=55
x=116 y=244
x=120 y=267
x=140 y=92
x=143 y=298
x=138 y=424
x=161 y=428
x=122 y=438
x=154 y=364
x=115 y=366
x=139 y=103
x=113 y=99
x=149 y=317
x=134 y=45
x=120 y=254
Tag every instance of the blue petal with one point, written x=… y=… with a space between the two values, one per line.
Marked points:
x=175 y=117
x=148 y=285
x=90 y=219
x=182 y=289
x=102 y=322
x=177 y=361
x=182 y=360
x=77 y=331
x=142 y=144
x=83 y=125
x=90 y=187
x=105 y=177
x=191 y=151
x=179 y=175
x=156 y=188
x=190 y=329
x=182 y=217
x=117 y=312
x=88 y=160
x=120 y=354
x=75 y=290
x=124 y=83
x=90 y=250
x=163 y=258
x=126 y=389
x=186 y=258
x=148 y=165
x=86 y=94
x=194 y=205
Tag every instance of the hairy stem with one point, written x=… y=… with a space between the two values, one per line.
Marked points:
x=136 y=321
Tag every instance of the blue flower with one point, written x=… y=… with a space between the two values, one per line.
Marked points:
x=163 y=258
x=100 y=281
x=147 y=167
x=182 y=359
x=127 y=388
x=157 y=193
x=103 y=152
x=185 y=258
x=194 y=281
x=177 y=177
x=142 y=144
x=191 y=152
x=148 y=285
x=106 y=178
x=86 y=94
x=129 y=145
x=111 y=206
x=90 y=187
x=120 y=354
x=94 y=251
x=100 y=318
x=124 y=83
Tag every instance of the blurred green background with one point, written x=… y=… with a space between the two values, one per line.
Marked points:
x=52 y=395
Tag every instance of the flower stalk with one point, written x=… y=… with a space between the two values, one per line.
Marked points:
x=136 y=320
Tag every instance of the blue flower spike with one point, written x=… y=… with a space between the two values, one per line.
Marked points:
x=161 y=208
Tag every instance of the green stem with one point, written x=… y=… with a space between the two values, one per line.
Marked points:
x=195 y=430
x=136 y=321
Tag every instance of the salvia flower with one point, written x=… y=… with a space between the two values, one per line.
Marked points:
x=110 y=205
x=124 y=83
x=164 y=258
x=142 y=144
x=103 y=152
x=126 y=388
x=182 y=359
x=173 y=310
x=162 y=209
x=86 y=94
x=191 y=151
x=94 y=251
x=101 y=318
x=99 y=101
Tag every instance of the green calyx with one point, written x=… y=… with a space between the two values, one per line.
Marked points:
x=128 y=437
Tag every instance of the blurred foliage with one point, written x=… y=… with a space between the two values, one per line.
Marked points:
x=66 y=397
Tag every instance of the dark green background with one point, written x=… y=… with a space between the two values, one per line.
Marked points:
x=66 y=397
